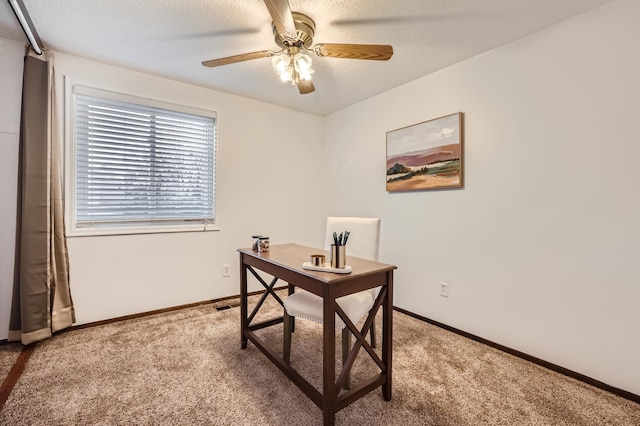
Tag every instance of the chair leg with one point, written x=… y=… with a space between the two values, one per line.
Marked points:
x=372 y=334
x=346 y=348
x=288 y=329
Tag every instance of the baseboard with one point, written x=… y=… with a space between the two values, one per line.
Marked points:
x=558 y=369
x=154 y=312
x=164 y=310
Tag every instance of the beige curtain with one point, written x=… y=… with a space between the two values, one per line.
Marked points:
x=41 y=303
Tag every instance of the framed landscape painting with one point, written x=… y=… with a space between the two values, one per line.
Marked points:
x=426 y=155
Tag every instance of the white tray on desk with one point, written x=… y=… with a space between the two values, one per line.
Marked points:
x=309 y=266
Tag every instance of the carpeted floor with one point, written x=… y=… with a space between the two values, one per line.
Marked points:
x=8 y=356
x=185 y=367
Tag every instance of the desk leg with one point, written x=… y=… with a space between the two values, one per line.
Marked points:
x=328 y=357
x=243 y=303
x=387 y=336
x=290 y=290
x=286 y=345
x=289 y=327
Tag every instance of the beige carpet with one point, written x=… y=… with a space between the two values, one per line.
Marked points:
x=8 y=356
x=185 y=367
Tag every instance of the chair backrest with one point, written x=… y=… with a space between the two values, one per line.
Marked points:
x=364 y=235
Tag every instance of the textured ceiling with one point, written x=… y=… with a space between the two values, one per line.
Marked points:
x=171 y=38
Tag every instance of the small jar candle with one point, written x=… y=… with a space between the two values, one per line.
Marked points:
x=263 y=244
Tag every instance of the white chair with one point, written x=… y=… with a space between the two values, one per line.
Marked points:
x=364 y=242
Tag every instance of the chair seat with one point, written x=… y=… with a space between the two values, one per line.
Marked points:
x=309 y=306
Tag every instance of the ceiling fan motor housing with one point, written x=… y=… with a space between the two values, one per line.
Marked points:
x=305 y=30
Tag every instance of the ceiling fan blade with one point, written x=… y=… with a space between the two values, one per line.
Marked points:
x=237 y=58
x=377 y=52
x=280 y=12
x=305 y=86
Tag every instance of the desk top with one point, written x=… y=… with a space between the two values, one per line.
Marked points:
x=292 y=256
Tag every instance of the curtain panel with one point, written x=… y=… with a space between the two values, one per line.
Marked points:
x=41 y=302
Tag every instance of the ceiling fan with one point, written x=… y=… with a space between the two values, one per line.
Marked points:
x=294 y=35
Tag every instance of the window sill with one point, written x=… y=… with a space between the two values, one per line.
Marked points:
x=134 y=230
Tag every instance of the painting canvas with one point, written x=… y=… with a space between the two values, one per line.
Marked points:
x=426 y=155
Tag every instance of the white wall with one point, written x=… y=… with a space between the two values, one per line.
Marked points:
x=262 y=178
x=541 y=248
x=11 y=62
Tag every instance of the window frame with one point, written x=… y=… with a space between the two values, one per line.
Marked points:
x=71 y=89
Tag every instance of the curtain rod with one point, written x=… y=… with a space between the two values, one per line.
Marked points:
x=27 y=26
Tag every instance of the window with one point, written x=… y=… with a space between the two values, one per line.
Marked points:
x=141 y=164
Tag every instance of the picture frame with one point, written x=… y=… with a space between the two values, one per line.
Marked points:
x=426 y=155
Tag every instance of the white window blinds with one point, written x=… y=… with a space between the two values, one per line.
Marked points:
x=138 y=164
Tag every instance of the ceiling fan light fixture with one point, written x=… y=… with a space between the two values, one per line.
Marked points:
x=281 y=62
x=302 y=64
x=287 y=75
x=283 y=66
x=292 y=67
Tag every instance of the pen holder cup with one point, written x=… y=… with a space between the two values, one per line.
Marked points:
x=338 y=256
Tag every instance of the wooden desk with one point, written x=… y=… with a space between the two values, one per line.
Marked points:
x=284 y=262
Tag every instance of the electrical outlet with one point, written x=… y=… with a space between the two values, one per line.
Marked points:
x=226 y=271
x=444 y=289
